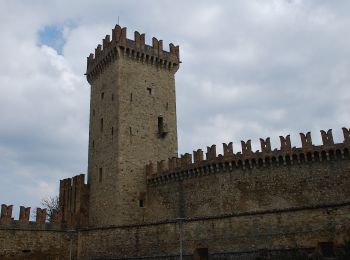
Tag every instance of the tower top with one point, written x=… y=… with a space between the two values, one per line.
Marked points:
x=135 y=49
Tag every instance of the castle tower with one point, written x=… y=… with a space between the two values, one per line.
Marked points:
x=132 y=122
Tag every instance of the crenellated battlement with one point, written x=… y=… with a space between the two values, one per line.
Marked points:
x=184 y=167
x=73 y=201
x=119 y=45
x=24 y=217
x=73 y=208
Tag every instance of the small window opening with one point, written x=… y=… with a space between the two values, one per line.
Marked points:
x=149 y=89
x=167 y=106
x=93 y=112
x=142 y=196
x=112 y=130
x=112 y=97
x=130 y=97
x=93 y=144
x=102 y=95
x=161 y=128
x=160 y=124
x=100 y=172
x=101 y=124
x=141 y=203
x=26 y=251
x=130 y=130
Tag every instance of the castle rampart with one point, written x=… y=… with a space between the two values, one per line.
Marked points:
x=227 y=206
x=183 y=167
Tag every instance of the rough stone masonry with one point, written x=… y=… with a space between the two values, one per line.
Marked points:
x=140 y=193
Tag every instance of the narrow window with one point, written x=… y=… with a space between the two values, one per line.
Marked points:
x=142 y=197
x=149 y=89
x=160 y=125
x=102 y=95
x=93 y=144
x=112 y=97
x=93 y=112
x=112 y=131
x=130 y=97
x=167 y=106
x=100 y=171
x=130 y=130
x=101 y=124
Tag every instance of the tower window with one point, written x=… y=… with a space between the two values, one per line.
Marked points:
x=101 y=124
x=102 y=95
x=142 y=199
x=160 y=125
x=141 y=203
x=130 y=97
x=167 y=106
x=112 y=97
x=112 y=131
x=100 y=172
x=149 y=89
x=93 y=144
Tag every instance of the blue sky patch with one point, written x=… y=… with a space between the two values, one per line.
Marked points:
x=52 y=36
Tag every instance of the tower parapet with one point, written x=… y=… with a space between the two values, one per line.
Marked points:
x=180 y=168
x=135 y=49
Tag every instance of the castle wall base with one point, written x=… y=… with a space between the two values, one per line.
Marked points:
x=35 y=244
x=243 y=234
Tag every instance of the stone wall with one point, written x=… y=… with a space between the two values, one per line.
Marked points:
x=36 y=243
x=241 y=190
x=238 y=236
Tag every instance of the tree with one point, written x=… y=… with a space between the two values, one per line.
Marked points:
x=52 y=205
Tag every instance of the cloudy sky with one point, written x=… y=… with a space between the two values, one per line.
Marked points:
x=250 y=69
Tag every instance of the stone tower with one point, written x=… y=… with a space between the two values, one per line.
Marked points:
x=132 y=122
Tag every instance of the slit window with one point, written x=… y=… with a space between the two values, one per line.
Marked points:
x=149 y=89
x=160 y=125
x=141 y=203
x=101 y=124
x=112 y=97
x=112 y=131
x=102 y=95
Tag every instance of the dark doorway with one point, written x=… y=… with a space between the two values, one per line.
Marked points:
x=201 y=254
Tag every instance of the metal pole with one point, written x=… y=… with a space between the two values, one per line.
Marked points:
x=180 y=222
x=70 y=248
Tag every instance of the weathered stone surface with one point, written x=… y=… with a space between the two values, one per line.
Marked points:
x=232 y=205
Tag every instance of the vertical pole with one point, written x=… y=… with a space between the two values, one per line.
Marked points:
x=180 y=222
x=70 y=248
